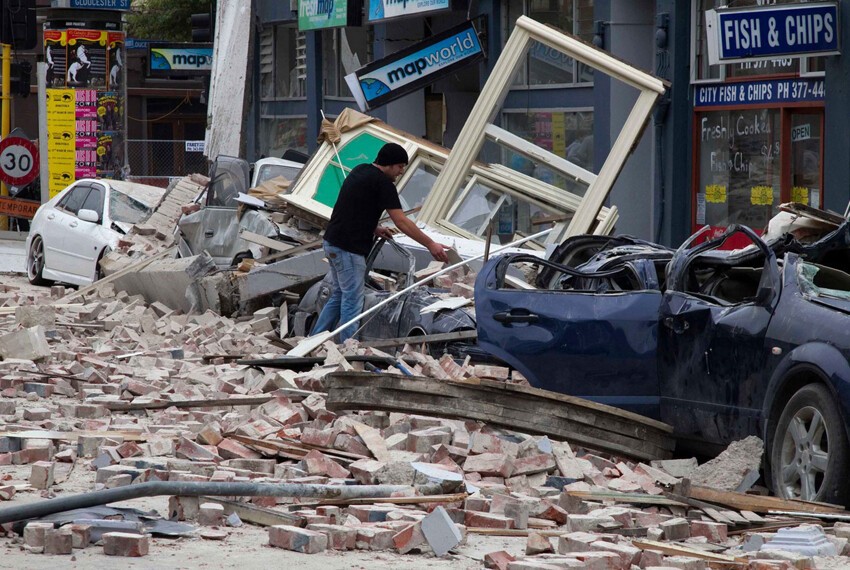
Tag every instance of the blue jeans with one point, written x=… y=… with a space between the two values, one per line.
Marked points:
x=348 y=277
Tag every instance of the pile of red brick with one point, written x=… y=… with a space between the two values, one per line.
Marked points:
x=112 y=349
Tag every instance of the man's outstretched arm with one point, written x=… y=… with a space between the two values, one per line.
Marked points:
x=406 y=225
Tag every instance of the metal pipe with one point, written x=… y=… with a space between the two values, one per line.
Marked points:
x=194 y=489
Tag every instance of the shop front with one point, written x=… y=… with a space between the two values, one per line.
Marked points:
x=758 y=113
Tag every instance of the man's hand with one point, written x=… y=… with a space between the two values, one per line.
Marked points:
x=384 y=232
x=438 y=251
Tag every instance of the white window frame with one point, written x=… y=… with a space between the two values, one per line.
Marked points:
x=476 y=128
x=526 y=86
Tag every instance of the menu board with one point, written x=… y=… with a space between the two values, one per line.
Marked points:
x=740 y=170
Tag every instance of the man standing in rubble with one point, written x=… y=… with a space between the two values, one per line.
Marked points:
x=368 y=190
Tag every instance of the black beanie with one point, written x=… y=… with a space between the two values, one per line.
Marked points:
x=391 y=153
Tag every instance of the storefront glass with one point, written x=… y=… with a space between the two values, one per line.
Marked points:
x=545 y=66
x=281 y=63
x=739 y=167
x=806 y=158
x=278 y=134
x=343 y=51
x=568 y=134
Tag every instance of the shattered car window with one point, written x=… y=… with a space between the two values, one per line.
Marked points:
x=269 y=171
x=124 y=208
x=820 y=281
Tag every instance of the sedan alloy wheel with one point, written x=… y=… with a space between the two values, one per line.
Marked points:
x=35 y=262
x=810 y=452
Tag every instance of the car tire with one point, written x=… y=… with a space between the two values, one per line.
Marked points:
x=98 y=270
x=810 y=455
x=35 y=262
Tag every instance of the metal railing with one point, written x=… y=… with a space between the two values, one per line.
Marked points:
x=157 y=162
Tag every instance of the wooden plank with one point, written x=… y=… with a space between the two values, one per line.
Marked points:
x=586 y=427
x=97 y=284
x=424 y=339
x=253 y=514
x=587 y=434
x=759 y=503
x=236 y=401
x=717 y=516
x=290 y=252
x=674 y=549
x=752 y=517
x=734 y=517
x=74 y=435
x=631 y=498
x=574 y=419
x=522 y=399
x=266 y=241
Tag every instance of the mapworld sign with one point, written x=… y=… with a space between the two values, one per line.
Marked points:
x=412 y=68
x=766 y=32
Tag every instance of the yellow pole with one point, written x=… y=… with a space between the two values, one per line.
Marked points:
x=5 y=124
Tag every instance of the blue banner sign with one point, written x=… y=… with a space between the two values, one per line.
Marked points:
x=384 y=9
x=412 y=68
x=320 y=14
x=180 y=59
x=745 y=34
x=792 y=90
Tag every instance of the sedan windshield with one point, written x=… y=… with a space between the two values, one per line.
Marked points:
x=124 y=208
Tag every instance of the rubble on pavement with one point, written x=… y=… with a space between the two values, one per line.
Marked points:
x=70 y=370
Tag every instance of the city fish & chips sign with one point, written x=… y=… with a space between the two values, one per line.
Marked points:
x=767 y=32
x=410 y=69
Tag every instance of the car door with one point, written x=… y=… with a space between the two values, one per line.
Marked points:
x=712 y=350
x=595 y=345
x=89 y=238
x=59 y=229
x=215 y=228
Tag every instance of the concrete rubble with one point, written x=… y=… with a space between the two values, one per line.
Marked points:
x=67 y=383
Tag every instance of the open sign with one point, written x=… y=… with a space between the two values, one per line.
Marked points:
x=801 y=132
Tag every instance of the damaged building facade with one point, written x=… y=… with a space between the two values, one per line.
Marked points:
x=706 y=158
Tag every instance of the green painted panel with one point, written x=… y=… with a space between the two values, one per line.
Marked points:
x=362 y=148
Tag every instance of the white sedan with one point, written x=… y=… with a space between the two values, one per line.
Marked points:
x=71 y=232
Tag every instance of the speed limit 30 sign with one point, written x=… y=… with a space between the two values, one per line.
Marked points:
x=18 y=161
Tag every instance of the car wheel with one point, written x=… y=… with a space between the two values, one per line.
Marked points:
x=809 y=458
x=35 y=262
x=98 y=270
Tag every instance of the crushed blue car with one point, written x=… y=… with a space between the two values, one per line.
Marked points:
x=719 y=344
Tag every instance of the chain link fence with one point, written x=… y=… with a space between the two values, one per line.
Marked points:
x=157 y=162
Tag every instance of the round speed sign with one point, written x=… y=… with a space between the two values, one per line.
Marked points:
x=18 y=161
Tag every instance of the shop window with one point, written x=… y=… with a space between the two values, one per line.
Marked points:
x=568 y=134
x=283 y=63
x=769 y=67
x=343 y=51
x=544 y=66
x=740 y=167
x=278 y=134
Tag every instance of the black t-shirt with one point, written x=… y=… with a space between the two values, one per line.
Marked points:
x=364 y=196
